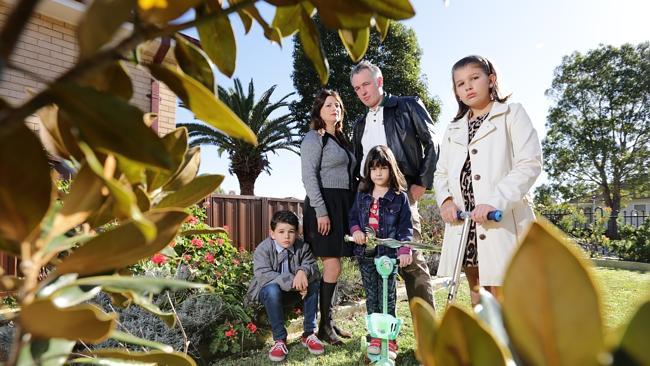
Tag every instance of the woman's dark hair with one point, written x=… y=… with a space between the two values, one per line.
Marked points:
x=284 y=217
x=381 y=156
x=488 y=69
x=317 y=122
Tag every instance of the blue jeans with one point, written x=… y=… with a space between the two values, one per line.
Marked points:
x=275 y=300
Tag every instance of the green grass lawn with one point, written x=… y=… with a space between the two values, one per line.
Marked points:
x=622 y=292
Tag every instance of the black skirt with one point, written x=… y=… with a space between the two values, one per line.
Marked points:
x=338 y=203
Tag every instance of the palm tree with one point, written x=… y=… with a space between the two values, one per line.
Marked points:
x=273 y=134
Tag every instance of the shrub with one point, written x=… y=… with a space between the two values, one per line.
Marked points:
x=634 y=244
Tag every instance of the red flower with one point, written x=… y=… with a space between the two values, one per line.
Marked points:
x=197 y=243
x=187 y=257
x=235 y=261
x=230 y=333
x=297 y=311
x=192 y=220
x=209 y=258
x=252 y=327
x=220 y=241
x=158 y=258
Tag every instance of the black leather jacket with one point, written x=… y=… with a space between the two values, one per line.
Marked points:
x=409 y=135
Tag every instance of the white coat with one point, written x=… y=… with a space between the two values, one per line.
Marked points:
x=506 y=159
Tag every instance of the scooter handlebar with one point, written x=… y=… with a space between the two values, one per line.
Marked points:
x=495 y=215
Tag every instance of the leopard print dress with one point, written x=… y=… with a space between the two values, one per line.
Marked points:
x=471 y=254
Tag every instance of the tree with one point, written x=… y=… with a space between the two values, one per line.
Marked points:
x=247 y=161
x=398 y=57
x=599 y=128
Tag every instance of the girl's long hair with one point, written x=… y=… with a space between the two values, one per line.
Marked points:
x=488 y=69
x=317 y=122
x=380 y=156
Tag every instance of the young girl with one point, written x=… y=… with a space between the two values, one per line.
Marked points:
x=490 y=157
x=383 y=205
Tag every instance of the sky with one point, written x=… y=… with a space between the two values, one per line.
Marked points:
x=526 y=40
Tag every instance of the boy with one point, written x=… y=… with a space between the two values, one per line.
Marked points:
x=284 y=273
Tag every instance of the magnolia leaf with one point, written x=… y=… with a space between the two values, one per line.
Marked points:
x=10 y=283
x=489 y=310
x=212 y=230
x=132 y=170
x=143 y=201
x=355 y=42
x=84 y=322
x=194 y=62
x=168 y=317
x=271 y=33
x=123 y=245
x=203 y=103
x=26 y=188
x=561 y=310
x=84 y=198
x=283 y=2
x=110 y=362
x=217 y=39
x=62 y=243
x=187 y=171
x=45 y=352
x=125 y=284
x=425 y=329
x=393 y=9
x=7 y=314
x=100 y=22
x=288 y=19
x=383 y=25
x=69 y=296
x=343 y=14
x=114 y=79
x=102 y=119
x=462 y=340
x=176 y=144
x=161 y=12
x=124 y=198
x=155 y=356
x=246 y=19
x=56 y=136
x=193 y=192
x=310 y=40
x=128 y=338
x=633 y=348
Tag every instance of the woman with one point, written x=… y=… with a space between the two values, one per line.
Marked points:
x=327 y=164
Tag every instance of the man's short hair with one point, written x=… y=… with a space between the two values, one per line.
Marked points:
x=285 y=217
x=366 y=65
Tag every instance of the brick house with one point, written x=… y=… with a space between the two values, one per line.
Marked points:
x=48 y=47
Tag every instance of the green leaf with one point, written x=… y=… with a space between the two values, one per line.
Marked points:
x=84 y=198
x=45 y=352
x=143 y=201
x=215 y=230
x=26 y=189
x=56 y=135
x=633 y=347
x=343 y=14
x=176 y=144
x=100 y=22
x=138 y=284
x=393 y=9
x=114 y=79
x=158 y=357
x=168 y=317
x=193 y=192
x=462 y=340
x=559 y=320
x=131 y=339
x=69 y=296
x=246 y=18
x=271 y=33
x=161 y=12
x=187 y=172
x=217 y=39
x=85 y=322
x=310 y=40
x=62 y=243
x=425 y=329
x=203 y=103
x=194 y=62
x=383 y=25
x=489 y=310
x=288 y=19
x=110 y=362
x=123 y=245
x=355 y=42
x=132 y=170
x=102 y=119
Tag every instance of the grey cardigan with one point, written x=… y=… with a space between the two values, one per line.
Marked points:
x=336 y=167
x=266 y=268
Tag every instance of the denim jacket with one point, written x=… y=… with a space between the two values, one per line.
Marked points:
x=394 y=218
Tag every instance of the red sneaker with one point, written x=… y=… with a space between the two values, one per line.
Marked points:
x=278 y=352
x=392 y=349
x=313 y=344
x=374 y=347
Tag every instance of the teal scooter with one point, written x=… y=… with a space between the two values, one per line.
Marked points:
x=383 y=325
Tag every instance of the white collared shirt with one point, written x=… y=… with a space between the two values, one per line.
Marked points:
x=373 y=133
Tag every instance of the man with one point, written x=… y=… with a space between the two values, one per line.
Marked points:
x=404 y=125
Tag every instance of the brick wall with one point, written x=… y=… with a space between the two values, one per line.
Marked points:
x=47 y=48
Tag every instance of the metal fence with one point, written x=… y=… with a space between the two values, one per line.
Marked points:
x=634 y=218
x=247 y=217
